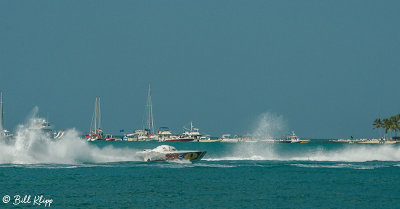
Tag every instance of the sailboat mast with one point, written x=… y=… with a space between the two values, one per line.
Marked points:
x=1 y=111
x=150 y=117
x=99 y=108
x=95 y=116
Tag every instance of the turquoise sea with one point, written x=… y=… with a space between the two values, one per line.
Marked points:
x=77 y=174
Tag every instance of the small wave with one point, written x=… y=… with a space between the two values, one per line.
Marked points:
x=170 y=165
x=254 y=158
x=53 y=166
x=322 y=166
x=340 y=165
x=214 y=165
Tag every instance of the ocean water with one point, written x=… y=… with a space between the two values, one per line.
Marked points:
x=73 y=173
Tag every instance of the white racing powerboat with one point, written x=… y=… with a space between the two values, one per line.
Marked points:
x=166 y=152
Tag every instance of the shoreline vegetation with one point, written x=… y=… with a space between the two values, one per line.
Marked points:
x=389 y=125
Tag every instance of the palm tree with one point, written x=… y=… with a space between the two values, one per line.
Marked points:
x=396 y=123
x=386 y=125
x=378 y=124
x=392 y=125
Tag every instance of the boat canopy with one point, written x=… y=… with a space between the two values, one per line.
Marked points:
x=164 y=148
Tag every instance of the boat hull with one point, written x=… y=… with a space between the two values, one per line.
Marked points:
x=192 y=156
x=179 y=140
x=209 y=140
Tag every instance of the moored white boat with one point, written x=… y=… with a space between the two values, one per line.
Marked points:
x=164 y=134
x=188 y=135
x=192 y=134
x=110 y=137
x=130 y=137
x=42 y=125
x=6 y=134
x=208 y=139
x=230 y=139
x=293 y=139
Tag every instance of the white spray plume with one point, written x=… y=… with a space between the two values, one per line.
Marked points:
x=32 y=146
x=269 y=125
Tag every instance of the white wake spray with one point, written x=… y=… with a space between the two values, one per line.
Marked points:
x=32 y=146
x=354 y=153
x=349 y=153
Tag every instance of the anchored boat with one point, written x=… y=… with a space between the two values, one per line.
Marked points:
x=166 y=153
x=293 y=139
x=188 y=135
x=229 y=138
x=96 y=133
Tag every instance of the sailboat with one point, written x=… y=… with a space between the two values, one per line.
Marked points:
x=147 y=133
x=149 y=130
x=95 y=133
x=3 y=132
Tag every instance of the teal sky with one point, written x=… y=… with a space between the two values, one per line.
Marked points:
x=329 y=68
